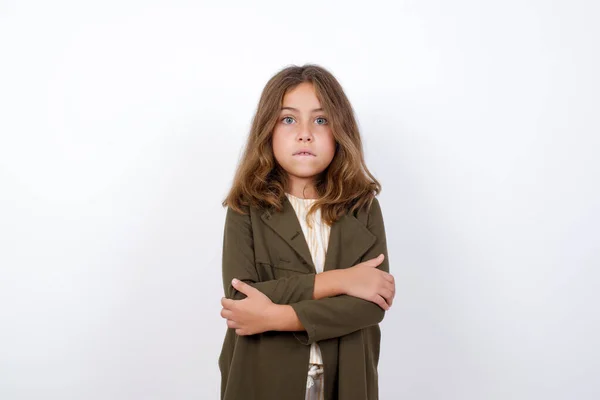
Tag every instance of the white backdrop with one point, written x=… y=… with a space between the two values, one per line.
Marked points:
x=121 y=125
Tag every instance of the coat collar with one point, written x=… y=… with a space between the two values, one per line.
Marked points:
x=349 y=239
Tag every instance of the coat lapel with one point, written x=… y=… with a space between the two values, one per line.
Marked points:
x=349 y=239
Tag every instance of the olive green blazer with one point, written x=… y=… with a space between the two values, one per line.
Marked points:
x=267 y=250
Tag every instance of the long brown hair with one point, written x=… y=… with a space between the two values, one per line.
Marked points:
x=346 y=185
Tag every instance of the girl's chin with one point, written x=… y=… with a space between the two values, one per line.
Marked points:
x=304 y=159
x=302 y=172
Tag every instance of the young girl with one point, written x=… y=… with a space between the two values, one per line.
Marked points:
x=305 y=267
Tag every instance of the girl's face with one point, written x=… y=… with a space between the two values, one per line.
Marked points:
x=302 y=127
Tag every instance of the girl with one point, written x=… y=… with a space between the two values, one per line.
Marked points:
x=305 y=268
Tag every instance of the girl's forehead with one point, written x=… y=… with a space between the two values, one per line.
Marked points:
x=301 y=105
x=302 y=93
x=294 y=109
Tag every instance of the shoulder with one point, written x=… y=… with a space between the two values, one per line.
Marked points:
x=239 y=217
x=369 y=212
x=244 y=215
x=371 y=207
x=374 y=214
x=374 y=204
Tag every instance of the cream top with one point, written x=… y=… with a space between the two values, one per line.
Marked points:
x=317 y=238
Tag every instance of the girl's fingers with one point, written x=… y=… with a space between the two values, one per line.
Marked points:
x=232 y=324
x=225 y=313
x=243 y=287
x=227 y=303
x=389 y=277
x=380 y=301
x=388 y=296
x=374 y=262
x=390 y=287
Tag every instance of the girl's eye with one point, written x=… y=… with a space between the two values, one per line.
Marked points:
x=286 y=120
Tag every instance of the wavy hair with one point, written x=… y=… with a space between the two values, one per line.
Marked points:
x=346 y=185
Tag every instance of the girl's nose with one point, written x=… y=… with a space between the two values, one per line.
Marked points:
x=305 y=135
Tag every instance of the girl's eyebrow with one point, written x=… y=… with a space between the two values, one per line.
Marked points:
x=295 y=109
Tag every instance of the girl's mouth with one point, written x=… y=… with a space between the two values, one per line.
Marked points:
x=304 y=154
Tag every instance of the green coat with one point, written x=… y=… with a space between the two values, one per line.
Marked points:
x=267 y=249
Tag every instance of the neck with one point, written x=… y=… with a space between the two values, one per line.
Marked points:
x=302 y=191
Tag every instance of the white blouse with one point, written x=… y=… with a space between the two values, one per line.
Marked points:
x=317 y=238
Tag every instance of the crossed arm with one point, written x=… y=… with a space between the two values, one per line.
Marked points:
x=315 y=306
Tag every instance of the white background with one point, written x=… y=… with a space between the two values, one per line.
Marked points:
x=121 y=125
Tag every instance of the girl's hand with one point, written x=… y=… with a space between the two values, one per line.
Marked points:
x=369 y=283
x=250 y=315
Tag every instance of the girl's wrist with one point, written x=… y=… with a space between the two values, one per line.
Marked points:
x=340 y=280
x=282 y=317
x=273 y=317
x=329 y=284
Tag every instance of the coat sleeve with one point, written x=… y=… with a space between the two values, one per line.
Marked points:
x=238 y=262
x=340 y=315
